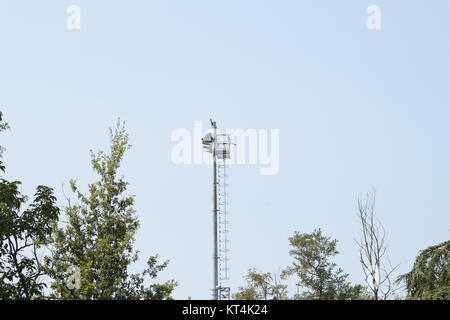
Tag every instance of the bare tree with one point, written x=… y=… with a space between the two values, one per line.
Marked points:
x=372 y=249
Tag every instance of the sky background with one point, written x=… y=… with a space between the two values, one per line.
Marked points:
x=357 y=109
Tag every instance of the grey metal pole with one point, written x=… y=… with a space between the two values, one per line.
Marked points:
x=215 y=254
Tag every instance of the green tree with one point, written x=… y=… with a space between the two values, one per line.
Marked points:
x=429 y=278
x=262 y=286
x=94 y=249
x=3 y=126
x=316 y=273
x=23 y=233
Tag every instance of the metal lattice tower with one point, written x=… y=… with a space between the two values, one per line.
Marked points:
x=219 y=146
x=223 y=147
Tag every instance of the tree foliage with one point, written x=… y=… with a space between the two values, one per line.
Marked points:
x=97 y=239
x=316 y=273
x=22 y=234
x=3 y=126
x=429 y=278
x=262 y=286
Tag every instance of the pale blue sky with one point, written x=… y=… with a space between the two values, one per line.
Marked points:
x=357 y=109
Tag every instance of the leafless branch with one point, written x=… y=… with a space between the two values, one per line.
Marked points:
x=373 y=248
